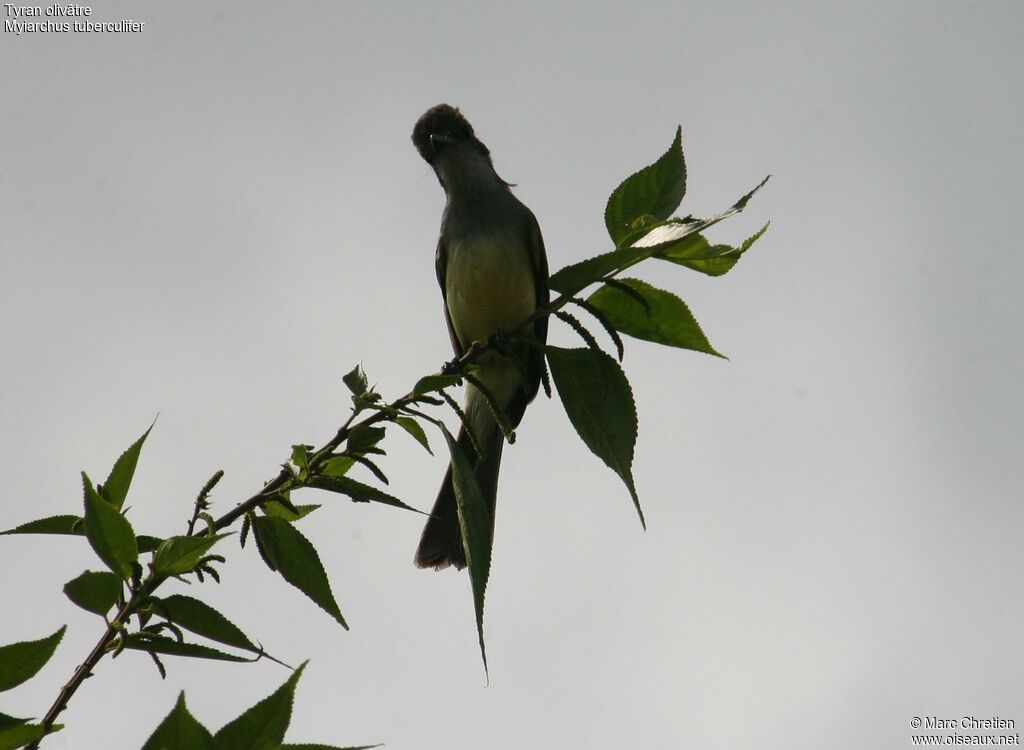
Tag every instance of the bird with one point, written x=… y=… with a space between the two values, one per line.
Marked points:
x=492 y=269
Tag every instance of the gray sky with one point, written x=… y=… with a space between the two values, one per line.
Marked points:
x=215 y=218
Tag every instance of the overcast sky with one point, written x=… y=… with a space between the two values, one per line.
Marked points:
x=215 y=218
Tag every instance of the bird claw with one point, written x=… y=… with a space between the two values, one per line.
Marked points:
x=499 y=341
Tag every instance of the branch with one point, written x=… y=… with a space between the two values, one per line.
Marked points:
x=84 y=670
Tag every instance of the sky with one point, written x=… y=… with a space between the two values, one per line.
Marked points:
x=214 y=218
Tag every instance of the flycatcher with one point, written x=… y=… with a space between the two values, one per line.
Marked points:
x=493 y=274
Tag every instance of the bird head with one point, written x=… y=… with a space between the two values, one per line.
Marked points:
x=441 y=130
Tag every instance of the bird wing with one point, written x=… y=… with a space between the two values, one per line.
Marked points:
x=441 y=266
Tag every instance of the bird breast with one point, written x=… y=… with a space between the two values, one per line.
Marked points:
x=489 y=285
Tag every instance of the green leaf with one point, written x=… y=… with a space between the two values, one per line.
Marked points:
x=6 y=722
x=620 y=349
x=665 y=320
x=656 y=190
x=262 y=727
x=180 y=554
x=575 y=277
x=109 y=533
x=278 y=510
x=374 y=469
x=70 y=525
x=94 y=592
x=661 y=238
x=158 y=644
x=475 y=525
x=415 y=429
x=74 y=526
x=300 y=455
x=289 y=553
x=204 y=620
x=651 y=241
x=19 y=736
x=363 y=438
x=115 y=489
x=20 y=661
x=180 y=731
x=337 y=466
x=742 y=202
x=599 y=402
x=573 y=322
x=714 y=260
x=148 y=543
x=356 y=381
x=284 y=499
x=362 y=493
x=432 y=383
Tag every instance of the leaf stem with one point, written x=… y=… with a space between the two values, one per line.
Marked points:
x=84 y=670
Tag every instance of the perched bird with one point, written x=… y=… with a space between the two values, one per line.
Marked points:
x=493 y=274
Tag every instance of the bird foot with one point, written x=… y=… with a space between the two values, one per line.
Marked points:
x=499 y=341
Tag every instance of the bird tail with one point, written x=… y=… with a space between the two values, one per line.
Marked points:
x=441 y=542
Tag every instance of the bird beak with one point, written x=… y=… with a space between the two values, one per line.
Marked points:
x=438 y=141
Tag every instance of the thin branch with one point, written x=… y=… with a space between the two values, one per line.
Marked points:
x=84 y=670
x=284 y=481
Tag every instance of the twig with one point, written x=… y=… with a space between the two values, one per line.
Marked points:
x=270 y=489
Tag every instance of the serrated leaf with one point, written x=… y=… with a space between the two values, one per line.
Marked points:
x=714 y=260
x=374 y=469
x=64 y=525
x=180 y=730
x=284 y=499
x=747 y=243
x=21 y=661
x=651 y=242
x=664 y=320
x=202 y=619
x=289 y=553
x=660 y=238
x=278 y=510
x=656 y=190
x=363 y=438
x=432 y=383
x=6 y=722
x=599 y=403
x=356 y=380
x=620 y=349
x=109 y=533
x=148 y=543
x=19 y=736
x=337 y=466
x=180 y=554
x=300 y=455
x=358 y=491
x=74 y=526
x=475 y=526
x=93 y=591
x=415 y=429
x=742 y=202
x=575 y=277
x=696 y=253
x=159 y=644
x=115 y=489
x=262 y=727
x=573 y=322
